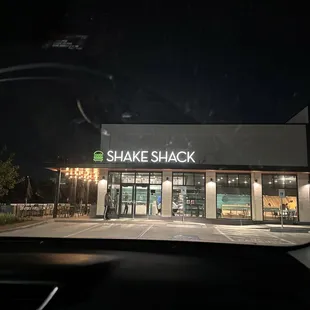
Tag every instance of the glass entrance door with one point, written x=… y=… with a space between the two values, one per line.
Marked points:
x=134 y=200
x=142 y=198
x=127 y=200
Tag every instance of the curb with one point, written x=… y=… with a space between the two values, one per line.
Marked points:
x=290 y=230
x=104 y=221
x=188 y=223
x=77 y=221
x=25 y=226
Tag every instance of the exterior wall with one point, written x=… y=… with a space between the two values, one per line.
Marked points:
x=210 y=195
x=167 y=194
x=228 y=145
x=257 y=196
x=303 y=197
x=102 y=190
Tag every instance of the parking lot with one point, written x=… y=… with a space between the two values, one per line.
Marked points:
x=162 y=231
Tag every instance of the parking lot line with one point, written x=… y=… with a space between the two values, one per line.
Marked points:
x=222 y=233
x=83 y=230
x=145 y=231
x=281 y=239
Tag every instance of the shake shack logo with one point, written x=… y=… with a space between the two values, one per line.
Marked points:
x=145 y=156
x=98 y=157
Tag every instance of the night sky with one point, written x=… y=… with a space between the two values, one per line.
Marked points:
x=246 y=62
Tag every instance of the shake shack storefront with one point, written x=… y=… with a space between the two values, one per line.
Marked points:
x=205 y=171
x=145 y=193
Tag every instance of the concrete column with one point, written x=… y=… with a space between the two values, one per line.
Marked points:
x=102 y=190
x=210 y=195
x=303 y=197
x=167 y=194
x=257 y=196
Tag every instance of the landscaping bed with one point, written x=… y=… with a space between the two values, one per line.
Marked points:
x=6 y=218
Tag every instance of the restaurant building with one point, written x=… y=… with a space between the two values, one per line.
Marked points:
x=245 y=172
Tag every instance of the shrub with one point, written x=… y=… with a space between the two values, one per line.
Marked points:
x=6 y=218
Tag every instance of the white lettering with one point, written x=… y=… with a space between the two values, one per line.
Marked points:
x=127 y=157
x=164 y=158
x=144 y=156
x=120 y=157
x=179 y=155
x=190 y=157
x=172 y=158
x=136 y=156
x=110 y=156
x=154 y=158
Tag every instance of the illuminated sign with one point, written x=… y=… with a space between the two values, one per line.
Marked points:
x=98 y=156
x=150 y=157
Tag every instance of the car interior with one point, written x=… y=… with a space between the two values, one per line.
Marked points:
x=51 y=273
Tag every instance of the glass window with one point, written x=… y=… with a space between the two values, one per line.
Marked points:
x=199 y=178
x=232 y=180
x=142 y=177
x=114 y=177
x=178 y=178
x=273 y=206
x=244 y=180
x=290 y=181
x=188 y=194
x=188 y=179
x=128 y=177
x=268 y=180
x=221 y=180
x=156 y=178
x=233 y=198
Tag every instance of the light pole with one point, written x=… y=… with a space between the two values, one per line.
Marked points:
x=74 y=190
x=57 y=190
x=27 y=185
x=87 y=195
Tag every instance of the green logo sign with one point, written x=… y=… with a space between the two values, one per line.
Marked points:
x=98 y=156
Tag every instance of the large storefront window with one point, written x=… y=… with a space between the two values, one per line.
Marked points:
x=233 y=197
x=272 y=204
x=188 y=194
x=136 y=193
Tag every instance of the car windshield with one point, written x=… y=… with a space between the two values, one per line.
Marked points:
x=184 y=122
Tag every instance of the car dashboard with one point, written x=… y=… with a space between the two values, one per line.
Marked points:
x=43 y=273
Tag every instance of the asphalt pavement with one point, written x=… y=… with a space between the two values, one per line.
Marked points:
x=159 y=230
